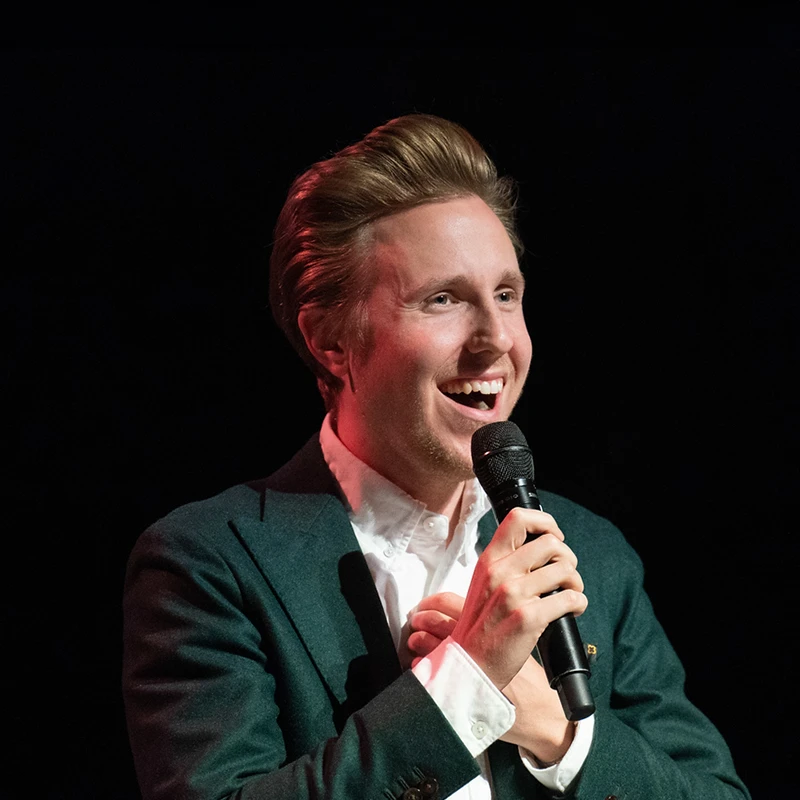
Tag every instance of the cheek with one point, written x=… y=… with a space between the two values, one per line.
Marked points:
x=523 y=345
x=390 y=372
x=416 y=352
x=528 y=354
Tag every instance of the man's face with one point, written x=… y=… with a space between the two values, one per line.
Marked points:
x=449 y=350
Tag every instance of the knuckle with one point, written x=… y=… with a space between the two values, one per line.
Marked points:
x=503 y=592
x=573 y=559
x=514 y=520
x=572 y=575
x=577 y=599
x=553 y=541
x=431 y=621
x=513 y=515
x=418 y=620
x=495 y=577
x=518 y=618
x=563 y=554
x=507 y=598
x=551 y=525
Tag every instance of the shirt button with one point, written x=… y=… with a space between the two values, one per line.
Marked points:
x=430 y=523
x=389 y=552
x=479 y=729
x=412 y=794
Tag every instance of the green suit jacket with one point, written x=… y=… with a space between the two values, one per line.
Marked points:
x=258 y=664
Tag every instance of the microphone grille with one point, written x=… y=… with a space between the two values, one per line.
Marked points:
x=500 y=452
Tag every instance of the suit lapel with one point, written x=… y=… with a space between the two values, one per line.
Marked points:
x=308 y=553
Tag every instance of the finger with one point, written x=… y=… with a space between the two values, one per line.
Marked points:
x=447 y=603
x=514 y=530
x=553 y=576
x=559 y=604
x=530 y=558
x=433 y=622
x=422 y=643
x=546 y=549
x=520 y=591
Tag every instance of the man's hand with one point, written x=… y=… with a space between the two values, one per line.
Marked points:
x=502 y=618
x=505 y=611
x=540 y=725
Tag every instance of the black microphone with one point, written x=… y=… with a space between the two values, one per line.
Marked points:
x=503 y=464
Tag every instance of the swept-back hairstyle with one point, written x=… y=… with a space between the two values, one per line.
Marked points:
x=321 y=247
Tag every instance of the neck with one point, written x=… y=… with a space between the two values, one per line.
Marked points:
x=438 y=486
x=440 y=495
x=447 y=501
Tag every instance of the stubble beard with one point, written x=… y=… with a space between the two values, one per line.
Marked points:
x=446 y=461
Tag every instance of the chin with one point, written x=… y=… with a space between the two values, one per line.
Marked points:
x=450 y=461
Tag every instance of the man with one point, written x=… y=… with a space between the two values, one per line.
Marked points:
x=358 y=625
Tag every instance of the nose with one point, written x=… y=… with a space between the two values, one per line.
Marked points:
x=491 y=331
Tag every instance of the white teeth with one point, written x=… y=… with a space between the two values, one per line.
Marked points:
x=467 y=387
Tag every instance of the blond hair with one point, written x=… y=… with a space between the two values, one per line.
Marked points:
x=320 y=253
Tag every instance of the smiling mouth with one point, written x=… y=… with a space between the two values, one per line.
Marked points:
x=481 y=395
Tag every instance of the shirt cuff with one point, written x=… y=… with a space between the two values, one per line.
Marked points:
x=559 y=776
x=476 y=709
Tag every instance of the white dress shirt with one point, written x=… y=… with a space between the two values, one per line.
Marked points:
x=406 y=549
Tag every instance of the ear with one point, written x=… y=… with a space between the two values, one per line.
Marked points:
x=331 y=354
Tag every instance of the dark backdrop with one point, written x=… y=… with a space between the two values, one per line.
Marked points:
x=658 y=205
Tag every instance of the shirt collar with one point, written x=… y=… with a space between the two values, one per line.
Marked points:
x=378 y=505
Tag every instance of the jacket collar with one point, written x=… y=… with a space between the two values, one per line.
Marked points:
x=306 y=549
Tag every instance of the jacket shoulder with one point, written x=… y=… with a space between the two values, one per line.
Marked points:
x=246 y=499
x=595 y=539
x=294 y=494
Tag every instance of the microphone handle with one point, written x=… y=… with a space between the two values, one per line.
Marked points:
x=560 y=647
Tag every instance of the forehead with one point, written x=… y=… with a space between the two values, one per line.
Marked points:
x=460 y=236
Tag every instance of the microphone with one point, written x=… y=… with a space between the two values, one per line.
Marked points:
x=503 y=463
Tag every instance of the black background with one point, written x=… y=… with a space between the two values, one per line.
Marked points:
x=659 y=202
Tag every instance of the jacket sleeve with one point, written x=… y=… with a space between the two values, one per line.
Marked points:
x=204 y=709
x=650 y=742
